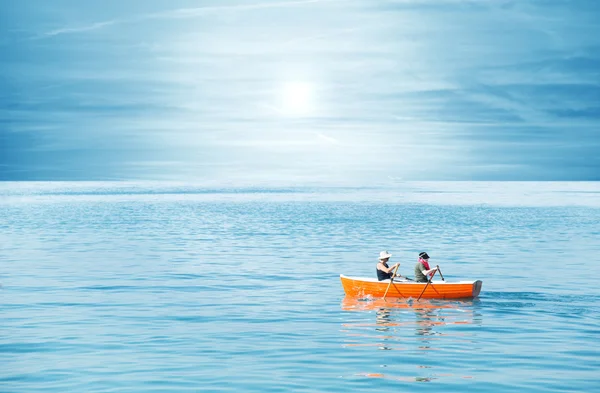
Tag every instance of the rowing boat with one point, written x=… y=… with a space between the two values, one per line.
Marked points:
x=363 y=287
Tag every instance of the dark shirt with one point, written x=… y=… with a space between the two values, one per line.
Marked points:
x=381 y=275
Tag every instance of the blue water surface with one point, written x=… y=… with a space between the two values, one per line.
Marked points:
x=148 y=287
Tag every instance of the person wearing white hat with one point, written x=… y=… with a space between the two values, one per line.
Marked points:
x=385 y=272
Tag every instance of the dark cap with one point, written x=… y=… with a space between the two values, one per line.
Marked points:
x=423 y=255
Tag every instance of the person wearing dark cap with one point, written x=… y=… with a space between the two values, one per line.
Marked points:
x=422 y=269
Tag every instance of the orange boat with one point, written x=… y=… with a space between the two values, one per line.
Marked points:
x=362 y=287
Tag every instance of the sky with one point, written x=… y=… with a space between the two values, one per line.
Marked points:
x=300 y=92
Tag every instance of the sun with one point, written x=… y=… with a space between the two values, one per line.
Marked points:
x=297 y=98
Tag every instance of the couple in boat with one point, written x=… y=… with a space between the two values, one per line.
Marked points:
x=422 y=270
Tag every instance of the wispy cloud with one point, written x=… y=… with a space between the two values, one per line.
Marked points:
x=180 y=13
x=316 y=37
x=78 y=29
x=200 y=11
x=327 y=139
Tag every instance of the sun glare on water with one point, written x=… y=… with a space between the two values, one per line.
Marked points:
x=297 y=98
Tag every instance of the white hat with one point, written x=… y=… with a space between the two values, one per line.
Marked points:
x=384 y=255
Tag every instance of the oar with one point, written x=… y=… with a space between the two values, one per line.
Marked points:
x=391 y=281
x=438 y=269
x=426 y=285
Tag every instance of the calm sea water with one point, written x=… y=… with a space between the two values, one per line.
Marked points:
x=140 y=287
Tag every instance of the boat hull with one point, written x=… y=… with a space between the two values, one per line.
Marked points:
x=362 y=287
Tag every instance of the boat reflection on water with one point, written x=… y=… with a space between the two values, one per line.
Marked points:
x=424 y=316
x=396 y=315
x=408 y=325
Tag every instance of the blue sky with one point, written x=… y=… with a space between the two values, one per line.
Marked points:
x=300 y=92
